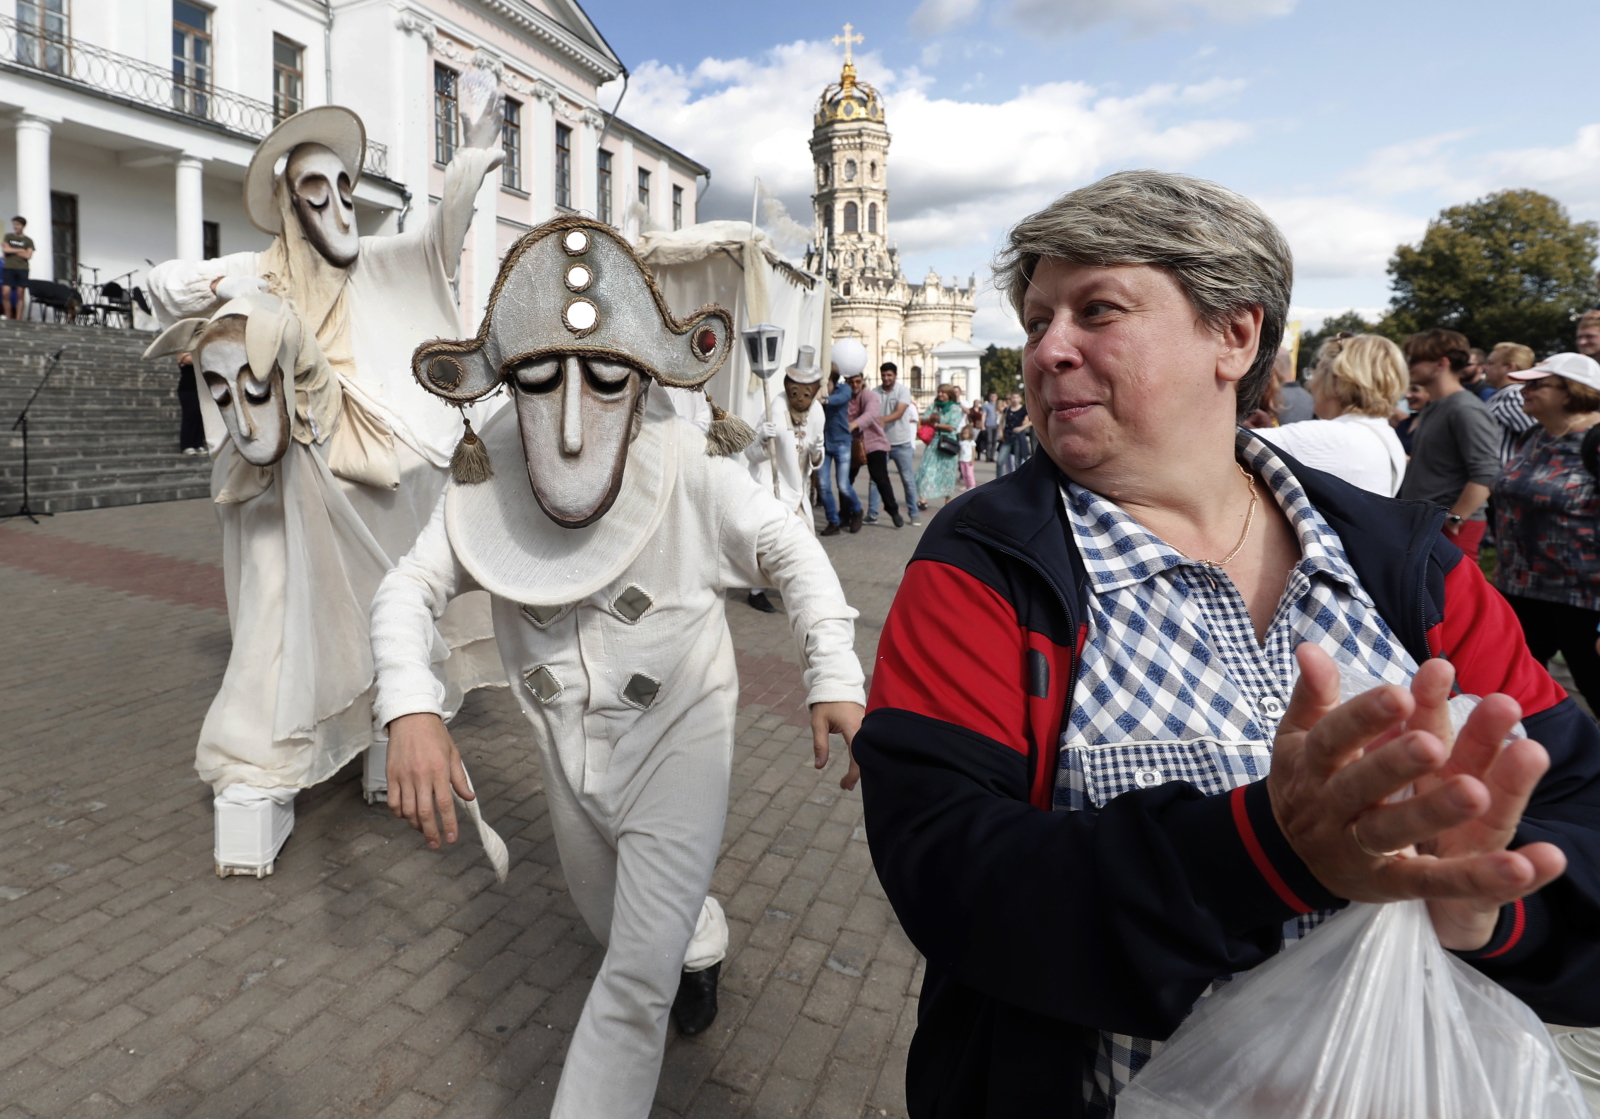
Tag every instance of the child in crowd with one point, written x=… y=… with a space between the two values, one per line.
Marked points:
x=967 y=454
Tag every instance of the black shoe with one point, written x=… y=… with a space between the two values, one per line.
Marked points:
x=695 y=1007
x=831 y=530
x=855 y=521
x=759 y=601
x=898 y=520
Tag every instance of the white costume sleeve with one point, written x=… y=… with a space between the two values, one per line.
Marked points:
x=446 y=230
x=765 y=545
x=182 y=288
x=407 y=650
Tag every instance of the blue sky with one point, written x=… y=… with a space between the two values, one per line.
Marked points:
x=1351 y=122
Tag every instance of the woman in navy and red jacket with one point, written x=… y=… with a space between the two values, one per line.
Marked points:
x=1043 y=928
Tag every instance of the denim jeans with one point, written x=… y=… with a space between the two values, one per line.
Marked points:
x=1013 y=453
x=836 y=468
x=902 y=455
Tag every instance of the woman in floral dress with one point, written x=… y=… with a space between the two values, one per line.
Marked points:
x=936 y=474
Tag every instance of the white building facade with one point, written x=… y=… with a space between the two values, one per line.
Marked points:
x=132 y=122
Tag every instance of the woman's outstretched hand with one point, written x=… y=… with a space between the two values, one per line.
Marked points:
x=1334 y=765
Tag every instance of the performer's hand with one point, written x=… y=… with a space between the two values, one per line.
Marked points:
x=228 y=288
x=842 y=719
x=765 y=430
x=481 y=112
x=423 y=765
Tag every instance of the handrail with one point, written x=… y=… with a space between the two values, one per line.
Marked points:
x=97 y=70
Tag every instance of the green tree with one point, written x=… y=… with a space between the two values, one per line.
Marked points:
x=1001 y=370
x=1510 y=267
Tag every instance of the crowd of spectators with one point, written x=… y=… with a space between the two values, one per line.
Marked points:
x=1497 y=438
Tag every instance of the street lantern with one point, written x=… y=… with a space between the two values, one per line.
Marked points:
x=762 y=344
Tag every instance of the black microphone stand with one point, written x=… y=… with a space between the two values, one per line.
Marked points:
x=22 y=421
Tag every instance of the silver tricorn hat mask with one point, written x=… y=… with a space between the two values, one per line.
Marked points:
x=575 y=329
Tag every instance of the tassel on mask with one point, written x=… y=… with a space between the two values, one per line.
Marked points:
x=470 y=464
x=728 y=435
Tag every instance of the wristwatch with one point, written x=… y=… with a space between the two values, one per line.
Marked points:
x=1455 y=519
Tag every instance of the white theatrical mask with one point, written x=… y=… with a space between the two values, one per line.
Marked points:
x=319 y=185
x=254 y=407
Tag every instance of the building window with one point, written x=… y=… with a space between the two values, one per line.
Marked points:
x=851 y=217
x=511 y=144
x=644 y=189
x=602 y=200
x=872 y=217
x=191 y=58
x=288 y=79
x=677 y=207
x=563 y=166
x=64 y=235
x=847 y=287
x=210 y=240
x=446 y=114
x=849 y=170
x=827 y=220
x=874 y=168
x=42 y=35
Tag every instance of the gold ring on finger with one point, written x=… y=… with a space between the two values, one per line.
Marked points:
x=1365 y=850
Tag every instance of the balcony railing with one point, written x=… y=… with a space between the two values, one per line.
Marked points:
x=97 y=70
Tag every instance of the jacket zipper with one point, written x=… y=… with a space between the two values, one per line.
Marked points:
x=1072 y=625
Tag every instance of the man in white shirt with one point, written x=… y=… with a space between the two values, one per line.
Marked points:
x=894 y=401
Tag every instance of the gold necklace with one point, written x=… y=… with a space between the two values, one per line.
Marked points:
x=1249 y=518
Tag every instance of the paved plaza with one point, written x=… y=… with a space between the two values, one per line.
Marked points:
x=369 y=976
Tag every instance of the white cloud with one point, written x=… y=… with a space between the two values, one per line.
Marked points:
x=960 y=171
x=1341 y=236
x=1142 y=17
x=935 y=17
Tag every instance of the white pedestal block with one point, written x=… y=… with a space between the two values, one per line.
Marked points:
x=375 y=772
x=251 y=828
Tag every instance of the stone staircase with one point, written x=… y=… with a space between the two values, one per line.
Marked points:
x=105 y=429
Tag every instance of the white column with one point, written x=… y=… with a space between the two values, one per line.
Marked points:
x=191 y=208
x=540 y=159
x=586 y=167
x=661 y=194
x=33 y=192
x=485 y=252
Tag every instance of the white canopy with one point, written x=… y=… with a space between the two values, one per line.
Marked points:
x=737 y=267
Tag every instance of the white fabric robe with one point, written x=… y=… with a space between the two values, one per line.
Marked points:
x=399 y=295
x=637 y=796
x=799 y=453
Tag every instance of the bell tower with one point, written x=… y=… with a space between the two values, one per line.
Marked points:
x=849 y=153
x=850 y=156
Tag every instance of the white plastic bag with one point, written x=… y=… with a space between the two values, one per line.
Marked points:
x=1368 y=1017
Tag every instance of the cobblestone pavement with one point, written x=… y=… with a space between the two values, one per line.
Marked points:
x=369 y=976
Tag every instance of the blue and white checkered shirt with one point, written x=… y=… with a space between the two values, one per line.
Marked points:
x=1173 y=686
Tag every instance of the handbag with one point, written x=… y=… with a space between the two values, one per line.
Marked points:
x=925 y=433
x=858 y=451
x=948 y=444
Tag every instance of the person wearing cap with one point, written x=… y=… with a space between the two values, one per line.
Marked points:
x=1547 y=519
x=607 y=530
x=789 y=440
x=370 y=301
x=1455 y=444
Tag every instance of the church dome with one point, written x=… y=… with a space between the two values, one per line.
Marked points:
x=849 y=100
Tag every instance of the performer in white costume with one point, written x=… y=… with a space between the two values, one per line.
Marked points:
x=371 y=300
x=300 y=567
x=607 y=575
x=793 y=424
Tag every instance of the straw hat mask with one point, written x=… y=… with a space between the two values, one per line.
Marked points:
x=324 y=147
x=576 y=329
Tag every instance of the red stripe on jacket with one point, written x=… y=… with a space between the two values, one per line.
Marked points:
x=1481 y=636
x=945 y=616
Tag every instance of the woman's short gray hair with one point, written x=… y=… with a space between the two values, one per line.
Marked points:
x=1221 y=247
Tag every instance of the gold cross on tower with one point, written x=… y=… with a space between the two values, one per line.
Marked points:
x=846 y=40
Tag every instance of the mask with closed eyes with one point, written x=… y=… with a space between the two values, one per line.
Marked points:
x=575 y=331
